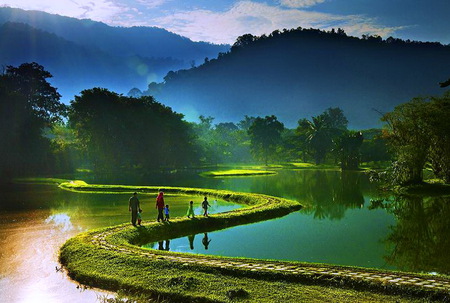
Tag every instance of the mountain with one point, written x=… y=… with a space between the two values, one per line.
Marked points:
x=301 y=72
x=125 y=57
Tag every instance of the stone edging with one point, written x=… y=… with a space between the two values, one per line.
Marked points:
x=383 y=280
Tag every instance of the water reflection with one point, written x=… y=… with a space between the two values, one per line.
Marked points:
x=61 y=221
x=205 y=241
x=164 y=245
x=420 y=239
x=191 y=239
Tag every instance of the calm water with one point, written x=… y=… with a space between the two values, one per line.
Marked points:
x=340 y=225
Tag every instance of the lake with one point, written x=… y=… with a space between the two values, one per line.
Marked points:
x=344 y=222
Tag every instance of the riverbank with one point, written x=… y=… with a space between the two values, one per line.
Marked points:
x=121 y=264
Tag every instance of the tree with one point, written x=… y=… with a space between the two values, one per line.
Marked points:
x=348 y=146
x=439 y=127
x=30 y=81
x=265 y=135
x=408 y=135
x=28 y=106
x=419 y=132
x=124 y=132
x=322 y=131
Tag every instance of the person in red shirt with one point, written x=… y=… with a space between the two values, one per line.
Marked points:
x=160 y=205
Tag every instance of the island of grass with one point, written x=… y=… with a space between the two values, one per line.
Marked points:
x=112 y=258
x=237 y=172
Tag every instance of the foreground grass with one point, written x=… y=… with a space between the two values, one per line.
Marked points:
x=125 y=266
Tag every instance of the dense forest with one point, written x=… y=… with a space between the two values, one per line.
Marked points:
x=85 y=53
x=104 y=131
x=305 y=71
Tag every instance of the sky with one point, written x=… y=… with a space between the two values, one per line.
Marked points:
x=222 y=21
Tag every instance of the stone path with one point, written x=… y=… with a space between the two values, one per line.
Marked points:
x=394 y=279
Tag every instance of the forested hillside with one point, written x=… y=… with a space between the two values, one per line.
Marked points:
x=297 y=73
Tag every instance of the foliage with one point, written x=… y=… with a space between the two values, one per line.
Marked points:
x=419 y=131
x=348 y=147
x=28 y=106
x=265 y=135
x=321 y=132
x=116 y=131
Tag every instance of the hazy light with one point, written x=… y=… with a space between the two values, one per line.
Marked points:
x=60 y=220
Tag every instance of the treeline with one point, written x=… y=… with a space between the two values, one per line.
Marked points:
x=104 y=131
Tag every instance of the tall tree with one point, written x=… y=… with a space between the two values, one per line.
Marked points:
x=124 y=132
x=408 y=135
x=322 y=132
x=28 y=105
x=265 y=135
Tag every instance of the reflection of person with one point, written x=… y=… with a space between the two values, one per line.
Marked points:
x=167 y=242
x=166 y=212
x=191 y=241
x=206 y=241
x=160 y=205
x=205 y=205
x=191 y=210
x=133 y=206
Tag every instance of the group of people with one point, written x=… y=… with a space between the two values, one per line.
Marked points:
x=134 y=206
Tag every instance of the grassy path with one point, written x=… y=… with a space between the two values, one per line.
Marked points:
x=112 y=258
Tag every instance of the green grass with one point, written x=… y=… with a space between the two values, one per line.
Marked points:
x=163 y=280
x=237 y=172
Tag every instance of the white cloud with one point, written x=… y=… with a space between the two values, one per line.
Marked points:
x=300 y=3
x=257 y=19
x=98 y=10
x=206 y=25
x=152 y=3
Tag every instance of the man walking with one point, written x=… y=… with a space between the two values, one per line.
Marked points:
x=134 y=205
x=160 y=205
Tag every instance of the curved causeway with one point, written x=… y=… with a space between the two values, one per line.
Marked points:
x=111 y=258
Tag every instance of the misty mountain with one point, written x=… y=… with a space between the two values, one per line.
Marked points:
x=125 y=57
x=299 y=73
x=74 y=67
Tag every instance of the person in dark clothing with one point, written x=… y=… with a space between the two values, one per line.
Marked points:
x=134 y=206
x=205 y=205
x=160 y=205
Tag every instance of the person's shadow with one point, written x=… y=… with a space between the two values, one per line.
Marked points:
x=206 y=241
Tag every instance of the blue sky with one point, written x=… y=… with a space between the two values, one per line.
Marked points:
x=221 y=21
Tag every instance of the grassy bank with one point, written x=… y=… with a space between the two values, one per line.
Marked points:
x=111 y=258
x=237 y=172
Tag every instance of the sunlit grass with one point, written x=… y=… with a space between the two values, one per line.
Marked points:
x=136 y=273
x=237 y=172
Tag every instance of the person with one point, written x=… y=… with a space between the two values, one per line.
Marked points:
x=160 y=205
x=133 y=206
x=205 y=205
x=139 y=217
x=166 y=212
x=191 y=210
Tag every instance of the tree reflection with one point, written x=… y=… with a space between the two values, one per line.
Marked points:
x=327 y=194
x=420 y=239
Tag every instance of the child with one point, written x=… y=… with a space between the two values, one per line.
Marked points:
x=205 y=205
x=139 y=217
x=191 y=210
x=166 y=212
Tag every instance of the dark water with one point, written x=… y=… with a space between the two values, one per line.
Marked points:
x=339 y=225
